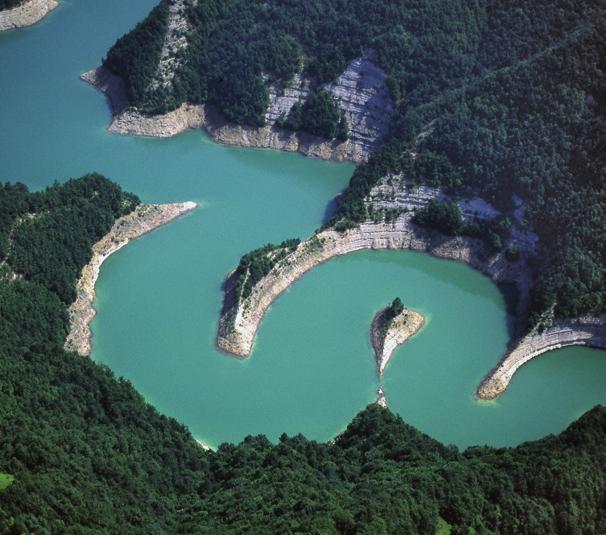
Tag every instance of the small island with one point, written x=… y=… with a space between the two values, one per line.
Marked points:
x=390 y=328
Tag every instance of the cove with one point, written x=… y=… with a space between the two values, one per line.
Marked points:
x=159 y=299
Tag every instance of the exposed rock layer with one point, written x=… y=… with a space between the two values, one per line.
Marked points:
x=386 y=336
x=587 y=331
x=239 y=323
x=360 y=92
x=143 y=219
x=28 y=13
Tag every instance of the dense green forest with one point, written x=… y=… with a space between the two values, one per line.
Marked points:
x=9 y=4
x=82 y=452
x=510 y=94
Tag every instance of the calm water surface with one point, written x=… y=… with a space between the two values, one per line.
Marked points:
x=159 y=299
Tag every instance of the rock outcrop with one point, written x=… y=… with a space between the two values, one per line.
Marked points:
x=586 y=331
x=144 y=219
x=387 y=334
x=174 y=45
x=26 y=14
x=360 y=92
x=240 y=320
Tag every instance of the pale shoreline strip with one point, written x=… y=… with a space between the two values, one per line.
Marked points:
x=203 y=445
x=144 y=219
x=27 y=14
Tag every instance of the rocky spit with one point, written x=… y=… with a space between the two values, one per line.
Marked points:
x=386 y=336
x=26 y=14
x=360 y=92
x=586 y=331
x=144 y=219
x=239 y=323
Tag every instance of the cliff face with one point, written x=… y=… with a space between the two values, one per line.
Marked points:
x=239 y=322
x=360 y=92
x=28 y=13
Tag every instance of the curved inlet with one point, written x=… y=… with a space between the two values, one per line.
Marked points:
x=240 y=320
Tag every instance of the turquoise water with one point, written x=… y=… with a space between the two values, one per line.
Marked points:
x=159 y=298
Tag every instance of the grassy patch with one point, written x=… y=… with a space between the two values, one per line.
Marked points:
x=5 y=481
x=443 y=527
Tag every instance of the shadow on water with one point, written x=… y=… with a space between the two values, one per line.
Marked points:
x=331 y=208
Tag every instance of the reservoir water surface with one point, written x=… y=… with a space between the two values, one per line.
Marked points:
x=159 y=298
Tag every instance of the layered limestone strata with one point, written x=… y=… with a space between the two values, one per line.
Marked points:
x=240 y=320
x=28 y=13
x=360 y=92
x=386 y=336
x=144 y=219
x=586 y=331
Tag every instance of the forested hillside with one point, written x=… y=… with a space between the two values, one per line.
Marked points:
x=499 y=97
x=88 y=455
x=81 y=451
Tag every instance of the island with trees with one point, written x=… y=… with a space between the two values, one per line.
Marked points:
x=390 y=328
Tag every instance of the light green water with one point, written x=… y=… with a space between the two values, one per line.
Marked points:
x=159 y=298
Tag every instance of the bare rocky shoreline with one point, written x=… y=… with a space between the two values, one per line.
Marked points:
x=586 y=331
x=26 y=14
x=144 y=219
x=129 y=121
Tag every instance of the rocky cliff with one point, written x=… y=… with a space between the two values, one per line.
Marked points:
x=28 y=13
x=360 y=92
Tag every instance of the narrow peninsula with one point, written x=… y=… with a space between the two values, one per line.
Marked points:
x=587 y=331
x=390 y=328
x=143 y=219
x=26 y=13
